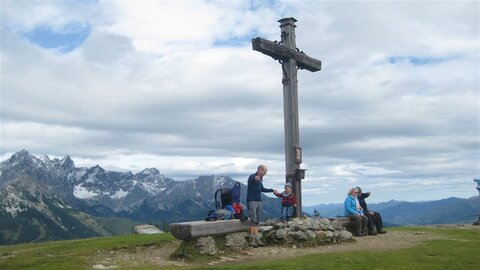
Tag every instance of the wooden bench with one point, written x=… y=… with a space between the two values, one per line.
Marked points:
x=195 y=229
x=345 y=222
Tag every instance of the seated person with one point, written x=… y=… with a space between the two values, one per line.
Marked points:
x=354 y=211
x=375 y=223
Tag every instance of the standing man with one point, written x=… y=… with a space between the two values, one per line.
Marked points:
x=254 y=201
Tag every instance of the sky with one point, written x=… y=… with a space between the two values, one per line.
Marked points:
x=175 y=85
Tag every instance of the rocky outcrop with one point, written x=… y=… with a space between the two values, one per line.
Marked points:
x=206 y=245
x=296 y=233
x=303 y=232
x=236 y=241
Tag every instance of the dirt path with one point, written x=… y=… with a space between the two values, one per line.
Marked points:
x=160 y=255
x=389 y=241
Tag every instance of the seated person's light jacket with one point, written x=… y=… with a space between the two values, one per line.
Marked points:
x=351 y=206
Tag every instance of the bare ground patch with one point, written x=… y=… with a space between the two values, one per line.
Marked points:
x=390 y=241
x=150 y=255
x=159 y=255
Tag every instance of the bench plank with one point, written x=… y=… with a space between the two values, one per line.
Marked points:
x=345 y=222
x=195 y=229
x=342 y=221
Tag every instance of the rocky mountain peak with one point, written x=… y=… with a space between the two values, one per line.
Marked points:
x=45 y=159
x=21 y=153
x=21 y=157
x=67 y=163
x=95 y=169
x=150 y=171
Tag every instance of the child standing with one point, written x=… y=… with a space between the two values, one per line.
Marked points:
x=289 y=201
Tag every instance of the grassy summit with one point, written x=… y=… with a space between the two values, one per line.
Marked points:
x=401 y=248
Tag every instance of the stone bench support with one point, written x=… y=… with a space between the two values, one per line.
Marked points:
x=345 y=222
x=195 y=229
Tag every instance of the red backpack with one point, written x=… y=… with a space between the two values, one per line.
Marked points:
x=238 y=209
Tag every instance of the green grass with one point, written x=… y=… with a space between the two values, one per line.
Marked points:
x=456 y=250
x=459 y=251
x=72 y=254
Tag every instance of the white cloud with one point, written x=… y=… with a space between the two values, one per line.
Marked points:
x=397 y=101
x=161 y=26
x=106 y=47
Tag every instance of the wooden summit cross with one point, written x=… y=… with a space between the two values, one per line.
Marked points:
x=290 y=57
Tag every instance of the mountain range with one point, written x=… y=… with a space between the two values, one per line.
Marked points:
x=49 y=199
x=44 y=199
x=400 y=213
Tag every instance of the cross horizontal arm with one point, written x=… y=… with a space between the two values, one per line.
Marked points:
x=278 y=51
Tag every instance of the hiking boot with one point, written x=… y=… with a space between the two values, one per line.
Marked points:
x=253 y=243
x=382 y=231
x=372 y=232
x=259 y=243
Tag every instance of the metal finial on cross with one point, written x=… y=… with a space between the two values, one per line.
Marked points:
x=290 y=57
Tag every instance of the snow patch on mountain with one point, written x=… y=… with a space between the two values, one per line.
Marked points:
x=81 y=192
x=80 y=173
x=13 y=204
x=152 y=188
x=120 y=194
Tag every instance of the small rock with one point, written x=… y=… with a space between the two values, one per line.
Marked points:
x=146 y=229
x=281 y=234
x=345 y=235
x=236 y=241
x=101 y=266
x=310 y=234
x=265 y=228
x=206 y=245
x=321 y=235
x=273 y=251
x=297 y=235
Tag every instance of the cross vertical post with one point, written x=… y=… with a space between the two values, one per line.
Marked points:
x=290 y=109
x=291 y=59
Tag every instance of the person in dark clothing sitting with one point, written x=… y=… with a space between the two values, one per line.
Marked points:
x=375 y=223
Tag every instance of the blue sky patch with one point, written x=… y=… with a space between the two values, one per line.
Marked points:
x=65 y=40
x=415 y=60
x=256 y=5
x=237 y=41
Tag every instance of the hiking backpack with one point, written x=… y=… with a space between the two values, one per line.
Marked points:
x=227 y=196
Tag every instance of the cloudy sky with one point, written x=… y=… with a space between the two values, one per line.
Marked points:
x=176 y=85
